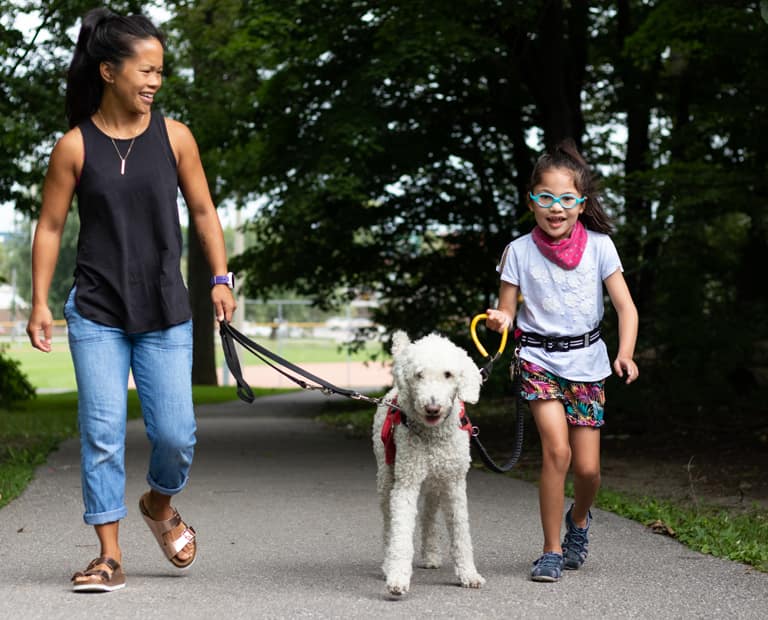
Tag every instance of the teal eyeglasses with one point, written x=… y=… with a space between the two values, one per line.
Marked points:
x=545 y=200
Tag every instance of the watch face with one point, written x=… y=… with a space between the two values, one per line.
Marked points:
x=228 y=279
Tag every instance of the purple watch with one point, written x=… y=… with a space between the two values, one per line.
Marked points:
x=228 y=279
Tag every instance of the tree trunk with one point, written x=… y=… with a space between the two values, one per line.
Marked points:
x=554 y=71
x=636 y=99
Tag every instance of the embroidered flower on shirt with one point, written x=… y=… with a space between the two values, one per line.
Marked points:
x=572 y=299
x=538 y=273
x=559 y=276
x=551 y=304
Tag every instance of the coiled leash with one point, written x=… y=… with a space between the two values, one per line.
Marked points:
x=229 y=335
x=485 y=372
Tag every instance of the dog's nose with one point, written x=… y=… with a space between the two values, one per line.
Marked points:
x=432 y=409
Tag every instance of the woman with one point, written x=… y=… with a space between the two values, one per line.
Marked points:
x=128 y=308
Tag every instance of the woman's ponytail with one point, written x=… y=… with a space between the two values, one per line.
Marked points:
x=104 y=36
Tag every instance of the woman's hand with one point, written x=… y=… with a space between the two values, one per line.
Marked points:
x=39 y=328
x=224 y=303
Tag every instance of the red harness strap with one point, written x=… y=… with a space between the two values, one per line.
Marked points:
x=393 y=419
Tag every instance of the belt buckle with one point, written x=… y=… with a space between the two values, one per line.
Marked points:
x=586 y=340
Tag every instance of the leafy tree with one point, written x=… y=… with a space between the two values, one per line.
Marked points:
x=392 y=147
x=216 y=55
x=695 y=171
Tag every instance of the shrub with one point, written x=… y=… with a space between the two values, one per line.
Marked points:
x=14 y=385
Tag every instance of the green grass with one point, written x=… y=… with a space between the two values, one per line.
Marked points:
x=29 y=432
x=54 y=370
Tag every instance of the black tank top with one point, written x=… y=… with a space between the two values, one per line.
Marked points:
x=129 y=251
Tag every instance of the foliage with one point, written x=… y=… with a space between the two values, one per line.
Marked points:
x=14 y=385
x=390 y=144
x=387 y=141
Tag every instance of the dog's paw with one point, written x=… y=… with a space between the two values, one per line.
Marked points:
x=471 y=580
x=398 y=579
x=397 y=588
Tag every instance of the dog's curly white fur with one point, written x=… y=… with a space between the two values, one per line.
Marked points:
x=432 y=376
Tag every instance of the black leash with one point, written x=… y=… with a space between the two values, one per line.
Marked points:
x=229 y=335
x=517 y=448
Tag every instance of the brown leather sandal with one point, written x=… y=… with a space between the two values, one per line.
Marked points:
x=172 y=535
x=94 y=579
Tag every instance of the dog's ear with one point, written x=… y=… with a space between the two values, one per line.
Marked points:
x=400 y=340
x=471 y=380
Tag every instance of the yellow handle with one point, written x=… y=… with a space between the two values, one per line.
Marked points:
x=478 y=344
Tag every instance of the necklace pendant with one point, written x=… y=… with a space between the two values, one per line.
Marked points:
x=122 y=167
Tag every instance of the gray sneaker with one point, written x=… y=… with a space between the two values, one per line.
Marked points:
x=548 y=567
x=576 y=542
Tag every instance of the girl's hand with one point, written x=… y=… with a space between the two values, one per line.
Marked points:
x=626 y=365
x=497 y=320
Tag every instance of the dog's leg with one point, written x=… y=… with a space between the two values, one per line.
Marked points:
x=430 y=539
x=398 y=556
x=384 y=481
x=457 y=517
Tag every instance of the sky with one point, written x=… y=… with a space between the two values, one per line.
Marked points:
x=6 y=218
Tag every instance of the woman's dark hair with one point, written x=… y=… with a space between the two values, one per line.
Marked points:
x=566 y=155
x=104 y=37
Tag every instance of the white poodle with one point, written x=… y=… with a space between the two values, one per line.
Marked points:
x=432 y=379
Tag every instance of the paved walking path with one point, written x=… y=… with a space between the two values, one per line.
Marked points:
x=288 y=526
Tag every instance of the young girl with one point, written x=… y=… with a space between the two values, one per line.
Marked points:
x=559 y=269
x=128 y=308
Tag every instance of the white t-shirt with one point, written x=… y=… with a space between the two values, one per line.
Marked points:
x=559 y=302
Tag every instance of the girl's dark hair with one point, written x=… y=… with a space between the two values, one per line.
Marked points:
x=566 y=155
x=104 y=37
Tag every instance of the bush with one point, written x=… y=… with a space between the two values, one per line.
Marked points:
x=14 y=385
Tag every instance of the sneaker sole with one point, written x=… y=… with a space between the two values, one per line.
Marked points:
x=573 y=566
x=545 y=579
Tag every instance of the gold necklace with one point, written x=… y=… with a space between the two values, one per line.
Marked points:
x=117 y=150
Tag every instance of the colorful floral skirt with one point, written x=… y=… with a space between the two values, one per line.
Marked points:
x=583 y=402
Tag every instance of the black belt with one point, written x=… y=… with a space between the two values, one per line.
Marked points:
x=564 y=343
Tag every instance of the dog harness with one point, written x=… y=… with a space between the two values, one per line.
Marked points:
x=396 y=416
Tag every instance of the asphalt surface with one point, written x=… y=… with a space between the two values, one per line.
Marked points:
x=288 y=527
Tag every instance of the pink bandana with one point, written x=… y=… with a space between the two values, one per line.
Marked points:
x=566 y=253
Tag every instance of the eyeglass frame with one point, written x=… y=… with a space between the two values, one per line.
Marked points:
x=558 y=199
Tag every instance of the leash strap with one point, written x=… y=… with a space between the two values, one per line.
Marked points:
x=517 y=448
x=230 y=336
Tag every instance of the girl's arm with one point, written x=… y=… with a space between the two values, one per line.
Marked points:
x=503 y=317
x=628 y=321
x=58 y=188
x=194 y=187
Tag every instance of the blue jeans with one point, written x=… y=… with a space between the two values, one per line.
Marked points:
x=161 y=362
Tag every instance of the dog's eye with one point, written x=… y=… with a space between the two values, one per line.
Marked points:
x=420 y=375
x=448 y=374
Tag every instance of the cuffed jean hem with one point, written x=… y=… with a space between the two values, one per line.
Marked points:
x=100 y=518
x=156 y=487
